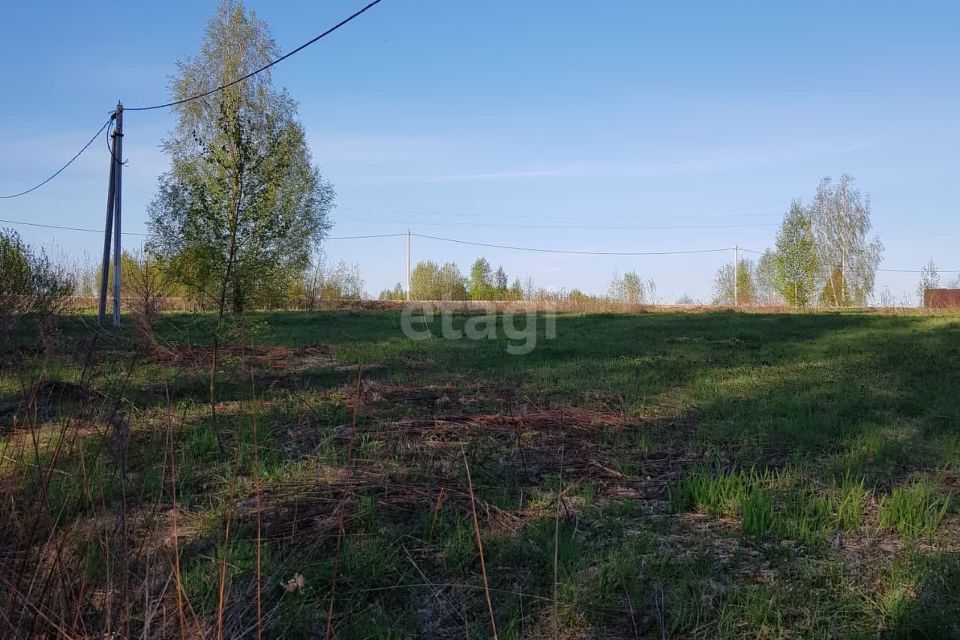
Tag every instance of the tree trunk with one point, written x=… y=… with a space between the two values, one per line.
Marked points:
x=238 y=299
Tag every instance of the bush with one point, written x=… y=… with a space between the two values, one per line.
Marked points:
x=30 y=286
x=325 y=284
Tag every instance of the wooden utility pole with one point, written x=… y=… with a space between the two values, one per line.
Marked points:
x=112 y=229
x=408 y=265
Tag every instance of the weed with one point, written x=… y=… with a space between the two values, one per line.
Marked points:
x=848 y=503
x=756 y=513
x=914 y=510
x=746 y=417
x=717 y=495
x=751 y=611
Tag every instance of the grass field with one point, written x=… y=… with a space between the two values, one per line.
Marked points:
x=644 y=475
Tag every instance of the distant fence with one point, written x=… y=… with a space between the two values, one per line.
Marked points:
x=941 y=299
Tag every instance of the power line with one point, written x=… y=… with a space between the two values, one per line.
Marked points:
x=378 y=235
x=418 y=235
x=61 y=169
x=476 y=244
x=915 y=271
x=572 y=251
x=484 y=225
x=549 y=216
x=261 y=69
x=56 y=226
x=144 y=235
x=188 y=99
x=878 y=270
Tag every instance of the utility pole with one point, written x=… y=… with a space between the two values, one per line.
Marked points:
x=107 y=233
x=408 y=265
x=118 y=136
x=112 y=226
x=736 y=274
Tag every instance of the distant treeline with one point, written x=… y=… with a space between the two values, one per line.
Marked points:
x=823 y=256
x=431 y=281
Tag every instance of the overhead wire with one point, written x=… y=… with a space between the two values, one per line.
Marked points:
x=878 y=270
x=65 y=228
x=476 y=244
x=303 y=46
x=570 y=251
x=61 y=169
x=261 y=69
x=144 y=235
x=204 y=94
x=550 y=216
x=485 y=225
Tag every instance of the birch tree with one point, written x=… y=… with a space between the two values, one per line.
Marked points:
x=744 y=293
x=629 y=289
x=430 y=281
x=765 y=280
x=796 y=258
x=848 y=258
x=242 y=206
x=481 y=287
x=929 y=279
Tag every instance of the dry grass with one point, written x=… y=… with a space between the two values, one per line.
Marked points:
x=427 y=500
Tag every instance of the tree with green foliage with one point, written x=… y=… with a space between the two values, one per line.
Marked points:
x=453 y=286
x=147 y=280
x=796 y=258
x=846 y=256
x=242 y=206
x=500 y=282
x=629 y=289
x=575 y=296
x=397 y=293
x=425 y=281
x=481 y=287
x=745 y=292
x=30 y=285
x=430 y=281
x=323 y=283
x=516 y=290
x=765 y=279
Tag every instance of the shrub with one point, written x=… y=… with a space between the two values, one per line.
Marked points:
x=30 y=286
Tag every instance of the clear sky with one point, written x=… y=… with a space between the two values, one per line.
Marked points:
x=609 y=125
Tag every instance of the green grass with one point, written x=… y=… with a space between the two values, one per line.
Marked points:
x=848 y=503
x=650 y=475
x=914 y=510
x=767 y=504
x=757 y=514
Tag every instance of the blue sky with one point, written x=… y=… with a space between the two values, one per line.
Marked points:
x=612 y=126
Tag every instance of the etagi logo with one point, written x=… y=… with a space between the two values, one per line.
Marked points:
x=520 y=329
